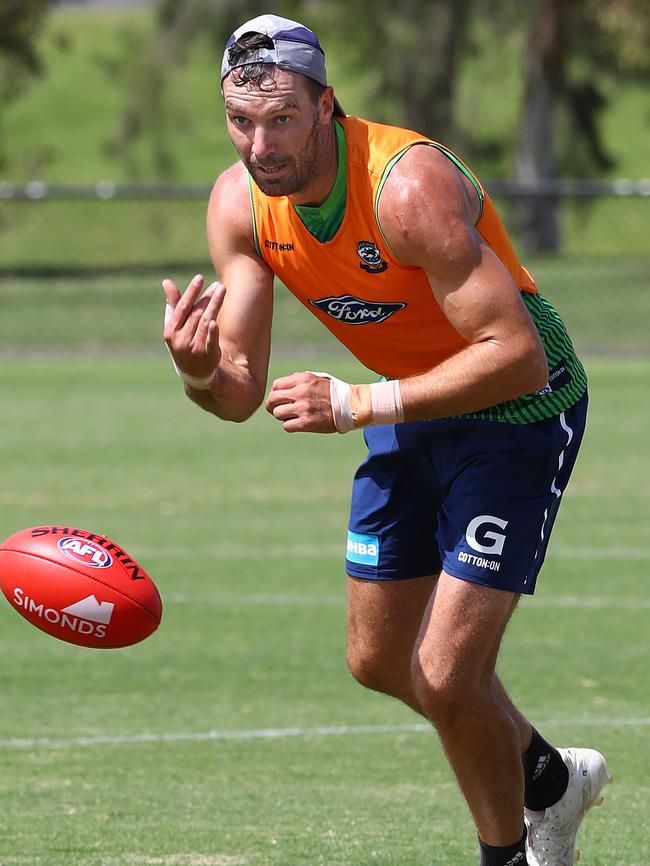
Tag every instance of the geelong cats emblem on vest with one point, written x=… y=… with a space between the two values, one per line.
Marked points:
x=370 y=256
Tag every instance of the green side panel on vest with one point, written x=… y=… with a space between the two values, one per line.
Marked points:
x=567 y=377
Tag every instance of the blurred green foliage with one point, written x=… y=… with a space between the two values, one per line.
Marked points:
x=67 y=128
x=77 y=123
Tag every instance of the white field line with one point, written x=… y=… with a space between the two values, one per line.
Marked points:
x=597 y=553
x=306 y=600
x=246 y=551
x=337 y=551
x=254 y=598
x=590 y=602
x=284 y=733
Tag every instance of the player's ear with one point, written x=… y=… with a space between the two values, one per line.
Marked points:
x=326 y=104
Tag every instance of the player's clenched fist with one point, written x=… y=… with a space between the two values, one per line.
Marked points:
x=301 y=402
x=191 y=332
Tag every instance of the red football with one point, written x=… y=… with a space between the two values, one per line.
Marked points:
x=79 y=586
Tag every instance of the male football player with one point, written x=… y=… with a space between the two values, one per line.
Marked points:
x=390 y=240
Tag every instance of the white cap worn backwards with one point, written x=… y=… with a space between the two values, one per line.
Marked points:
x=295 y=49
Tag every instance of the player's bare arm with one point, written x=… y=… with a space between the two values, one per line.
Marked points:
x=221 y=340
x=427 y=211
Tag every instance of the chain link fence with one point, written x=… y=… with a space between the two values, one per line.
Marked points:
x=80 y=267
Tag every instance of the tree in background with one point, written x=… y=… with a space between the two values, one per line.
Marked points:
x=577 y=50
x=537 y=151
x=178 y=23
x=574 y=52
x=574 y=55
x=20 y=24
x=414 y=56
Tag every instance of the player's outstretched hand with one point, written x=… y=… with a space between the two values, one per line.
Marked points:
x=301 y=402
x=191 y=330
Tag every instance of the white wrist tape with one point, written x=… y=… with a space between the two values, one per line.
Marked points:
x=199 y=383
x=340 y=402
x=341 y=408
x=386 y=400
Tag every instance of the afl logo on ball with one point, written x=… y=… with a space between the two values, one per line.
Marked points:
x=85 y=552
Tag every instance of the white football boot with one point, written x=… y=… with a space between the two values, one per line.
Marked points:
x=552 y=833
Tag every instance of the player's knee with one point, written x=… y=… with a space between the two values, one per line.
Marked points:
x=445 y=694
x=373 y=670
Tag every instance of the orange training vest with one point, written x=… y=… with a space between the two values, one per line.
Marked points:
x=384 y=311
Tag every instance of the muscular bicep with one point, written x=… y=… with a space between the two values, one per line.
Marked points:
x=246 y=314
x=477 y=293
x=427 y=211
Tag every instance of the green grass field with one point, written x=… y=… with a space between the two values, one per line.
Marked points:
x=604 y=303
x=235 y=735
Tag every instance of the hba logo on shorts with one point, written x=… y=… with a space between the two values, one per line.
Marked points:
x=356 y=311
x=363 y=549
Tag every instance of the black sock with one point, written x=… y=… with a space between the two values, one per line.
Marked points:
x=511 y=855
x=545 y=774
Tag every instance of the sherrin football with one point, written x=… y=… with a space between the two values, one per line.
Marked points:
x=79 y=586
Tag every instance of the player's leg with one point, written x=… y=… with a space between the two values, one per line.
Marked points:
x=384 y=618
x=495 y=522
x=453 y=676
x=494 y=528
x=524 y=727
x=383 y=622
x=392 y=558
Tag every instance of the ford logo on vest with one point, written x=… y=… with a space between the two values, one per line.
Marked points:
x=355 y=311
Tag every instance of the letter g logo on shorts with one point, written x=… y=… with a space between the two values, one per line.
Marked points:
x=496 y=539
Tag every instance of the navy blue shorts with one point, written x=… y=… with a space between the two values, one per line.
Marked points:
x=477 y=498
